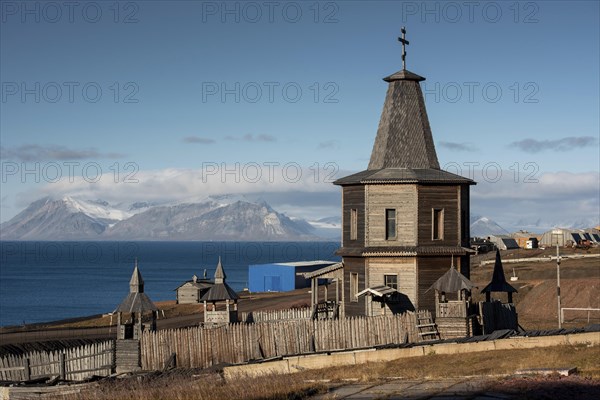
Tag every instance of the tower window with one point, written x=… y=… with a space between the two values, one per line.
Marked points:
x=437 y=224
x=353 y=286
x=464 y=225
x=390 y=224
x=391 y=281
x=353 y=223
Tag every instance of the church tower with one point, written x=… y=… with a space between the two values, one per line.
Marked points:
x=403 y=218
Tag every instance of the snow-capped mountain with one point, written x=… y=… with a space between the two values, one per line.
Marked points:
x=227 y=217
x=484 y=226
x=540 y=225
x=65 y=218
x=329 y=227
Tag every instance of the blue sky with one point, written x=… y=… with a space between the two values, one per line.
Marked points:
x=162 y=89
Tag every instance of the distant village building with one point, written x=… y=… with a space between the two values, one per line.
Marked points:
x=220 y=301
x=403 y=217
x=567 y=237
x=282 y=277
x=503 y=242
x=192 y=291
x=526 y=240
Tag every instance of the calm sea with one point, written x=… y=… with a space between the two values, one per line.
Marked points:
x=46 y=281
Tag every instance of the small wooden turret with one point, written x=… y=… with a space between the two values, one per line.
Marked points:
x=220 y=292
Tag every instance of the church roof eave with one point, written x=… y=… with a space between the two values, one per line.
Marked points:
x=403 y=176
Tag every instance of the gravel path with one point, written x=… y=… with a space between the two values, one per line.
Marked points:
x=478 y=388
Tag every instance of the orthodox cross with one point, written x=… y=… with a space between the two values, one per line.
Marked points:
x=404 y=43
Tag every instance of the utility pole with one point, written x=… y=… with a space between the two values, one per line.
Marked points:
x=558 y=285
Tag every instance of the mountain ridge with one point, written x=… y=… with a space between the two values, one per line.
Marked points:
x=216 y=218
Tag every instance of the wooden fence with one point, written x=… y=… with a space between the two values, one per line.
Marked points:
x=203 y=347
x=275 y=315
x=77 y=363
x=497 y=316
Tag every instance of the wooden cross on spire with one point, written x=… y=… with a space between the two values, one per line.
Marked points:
x=404 y=42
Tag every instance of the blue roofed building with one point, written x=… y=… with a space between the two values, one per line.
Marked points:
x=282 y=277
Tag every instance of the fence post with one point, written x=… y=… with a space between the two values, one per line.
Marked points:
x=62 y=366
x=27 y=369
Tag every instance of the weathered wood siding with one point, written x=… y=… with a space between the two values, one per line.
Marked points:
x=453 y=327
x=354 y=265
x=188 y=294
x=406 y=270
x=353 y=197
x=429 y=270
x=402 y=198
x=465 y=212
x=276 y=315
x=200 y=347
x=442 y=197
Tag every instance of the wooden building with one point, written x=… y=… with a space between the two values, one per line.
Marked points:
x=135 y=314
x=455 y=313
x=403 y=217
x=190 y=292
x=526 y=240
x=222 y=298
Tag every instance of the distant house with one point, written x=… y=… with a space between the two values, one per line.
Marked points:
x=192 y=291
x=526 y=240
x=503 y=242
x=561 y=237
x=282 y=277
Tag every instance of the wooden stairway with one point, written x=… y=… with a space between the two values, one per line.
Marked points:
x=426 y=328
x=127 y=357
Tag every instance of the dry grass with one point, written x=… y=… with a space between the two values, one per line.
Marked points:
x=586 y=359
x=206 y=386
x=183 y=385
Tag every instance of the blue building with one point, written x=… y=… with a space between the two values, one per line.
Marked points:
x=282 y=277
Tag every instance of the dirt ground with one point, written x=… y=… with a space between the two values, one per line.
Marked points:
x=536 y=300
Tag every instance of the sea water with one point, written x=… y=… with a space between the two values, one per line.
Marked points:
x=47 y=281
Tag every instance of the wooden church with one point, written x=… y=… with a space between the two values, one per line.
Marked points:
x=404 y=219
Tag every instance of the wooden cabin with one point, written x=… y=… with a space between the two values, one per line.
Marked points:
x=403 y=217
x=190 y=292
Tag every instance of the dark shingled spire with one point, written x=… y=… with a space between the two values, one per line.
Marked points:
x=136 y=284
x=404 y=137
x=498 y=283
x=220 y=273
x=136 y=301
x=220 y=290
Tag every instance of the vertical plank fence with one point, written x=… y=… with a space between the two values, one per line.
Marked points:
x=76 y=364
x=203 y=347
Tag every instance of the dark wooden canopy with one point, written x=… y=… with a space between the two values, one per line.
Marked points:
x=452 y=281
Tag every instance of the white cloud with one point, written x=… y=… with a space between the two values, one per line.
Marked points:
x=175 y=185
x=303 y=192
